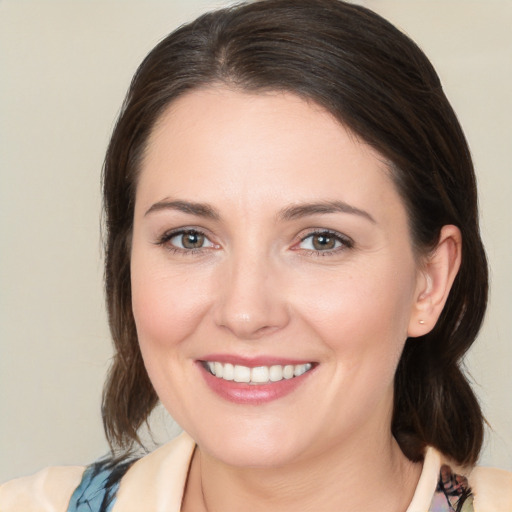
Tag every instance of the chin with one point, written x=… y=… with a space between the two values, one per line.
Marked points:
x=253 y=455
x=259 y=447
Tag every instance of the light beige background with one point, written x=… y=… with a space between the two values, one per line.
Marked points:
x=64 y=68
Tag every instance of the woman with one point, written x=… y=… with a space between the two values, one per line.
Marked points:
x=294 y=269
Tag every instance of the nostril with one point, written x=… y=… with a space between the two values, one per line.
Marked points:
x=250 y=307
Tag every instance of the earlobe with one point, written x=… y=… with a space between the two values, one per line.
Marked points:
x=435 y=280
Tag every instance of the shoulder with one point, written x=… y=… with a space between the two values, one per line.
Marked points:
x=99 y=485
x=157 y=481
x=153 y=482
x=445 y=487
x=492 y=489
x=66 y=489
x=51 y=487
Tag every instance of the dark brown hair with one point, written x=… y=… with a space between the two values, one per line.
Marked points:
x=379 y=84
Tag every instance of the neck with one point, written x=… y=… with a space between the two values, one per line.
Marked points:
x=365 y=476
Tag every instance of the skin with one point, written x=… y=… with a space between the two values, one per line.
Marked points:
x=258 y=286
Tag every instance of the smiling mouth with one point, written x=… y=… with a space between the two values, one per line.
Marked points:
x=256 y=375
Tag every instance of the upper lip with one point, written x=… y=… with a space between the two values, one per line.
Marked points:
x=253 y=362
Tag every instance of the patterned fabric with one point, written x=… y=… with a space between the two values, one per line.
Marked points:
x=100 y=483
x=452 y=494
x=98 y=488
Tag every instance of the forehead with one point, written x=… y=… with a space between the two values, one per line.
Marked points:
x=228 y=145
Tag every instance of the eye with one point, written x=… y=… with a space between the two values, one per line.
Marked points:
x=186 y=240
x=324 y=241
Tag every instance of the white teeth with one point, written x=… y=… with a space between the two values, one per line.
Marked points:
x=242 y=373
x=276 y=373
x=258 y=374
x=218 y=369
x=301 y=368
x=288 y=371
x=228 y=372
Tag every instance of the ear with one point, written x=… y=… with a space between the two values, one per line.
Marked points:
x=435 y=280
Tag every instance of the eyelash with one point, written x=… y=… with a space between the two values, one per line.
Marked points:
x=169 y=235
x=345 y=242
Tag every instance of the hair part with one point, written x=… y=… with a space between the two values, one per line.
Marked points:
x=378 y=84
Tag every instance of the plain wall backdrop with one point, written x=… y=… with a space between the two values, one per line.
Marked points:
x=64 y=69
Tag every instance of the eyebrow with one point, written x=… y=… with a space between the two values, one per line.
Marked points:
x=199 y=209
x=292 y=212
x=306 y=209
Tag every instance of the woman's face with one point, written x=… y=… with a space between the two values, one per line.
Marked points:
x=268 y=242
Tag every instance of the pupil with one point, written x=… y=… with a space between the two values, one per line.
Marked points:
x=193 y=240
x=323 y=242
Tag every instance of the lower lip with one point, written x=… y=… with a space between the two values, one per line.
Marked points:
x=253 y=394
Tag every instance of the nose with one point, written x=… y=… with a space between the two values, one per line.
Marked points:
x=251 y=302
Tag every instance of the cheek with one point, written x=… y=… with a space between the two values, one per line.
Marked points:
x=167 y=308
x=166 y=305
x=362 y=316
x=358 y=301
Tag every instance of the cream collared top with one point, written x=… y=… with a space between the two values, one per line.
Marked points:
x=156 y=483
